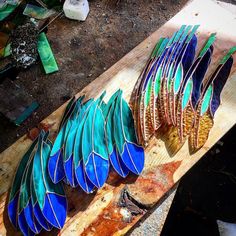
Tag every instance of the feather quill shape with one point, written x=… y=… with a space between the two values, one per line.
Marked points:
x=114 y=156
x=26 y=220
x=190 y=92
x=16 y=184
x=138 y=86
x=180 y=67
x=182 y=59
x=209 y=102
x=70 y=143
x=74 y=166
x=55 y=164
x=130 y=152
x=50 y=197
x=94 y=149
x=145 y=100
x=80 y=173
x=22 y=201
x=37 y=211
x=174 y=49
x=69 y=109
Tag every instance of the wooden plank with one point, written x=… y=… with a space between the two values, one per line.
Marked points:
x=99 y=213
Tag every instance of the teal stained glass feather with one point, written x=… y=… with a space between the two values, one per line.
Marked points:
x=125 y=137
x=209 y=101
x=51 y=198
x=94 y=149
x=36 y=203
x=78 y=164
x=70 y=142
x=16 y=184
x=55 y=164
x=114 y=156
x=26 y=220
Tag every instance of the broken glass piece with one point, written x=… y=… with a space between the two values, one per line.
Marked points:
x=37 y=12
x=46 y=54
x=6 y=10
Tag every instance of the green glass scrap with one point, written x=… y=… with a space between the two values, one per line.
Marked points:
x=6 y=10
x=46 y=54
x=27 y=112
x=7 y=50
x=13 y=2
x=37 y=12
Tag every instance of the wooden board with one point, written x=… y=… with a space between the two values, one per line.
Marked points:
x=99 y=213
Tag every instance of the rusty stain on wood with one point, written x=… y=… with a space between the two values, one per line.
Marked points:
x=33 y=133
x=150 y=186
x=107 y=223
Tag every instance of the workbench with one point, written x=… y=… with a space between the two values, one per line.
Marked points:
x=99 y=213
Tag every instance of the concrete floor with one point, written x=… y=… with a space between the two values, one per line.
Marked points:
x=154 y=222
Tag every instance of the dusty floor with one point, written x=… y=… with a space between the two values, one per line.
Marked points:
x=83 y=51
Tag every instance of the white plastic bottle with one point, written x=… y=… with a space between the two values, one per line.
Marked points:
x=76 y=9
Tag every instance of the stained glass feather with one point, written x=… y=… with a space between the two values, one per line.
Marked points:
x=130 y=152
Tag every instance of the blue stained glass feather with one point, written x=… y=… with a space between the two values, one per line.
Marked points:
x=114 y=156
x=118 y=164
x=55 y=164
x=51 y=198
x=68 y=162
x=26 y=195
x=15 y=189
x=219 y=83
x=130 y=152
x=80 y=174
x=94 y=150
x=199 y=74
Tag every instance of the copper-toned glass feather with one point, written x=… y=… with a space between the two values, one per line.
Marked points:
x=209 y=102
x=169 y=93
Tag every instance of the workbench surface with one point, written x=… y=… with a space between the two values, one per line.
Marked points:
x=99 y=213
